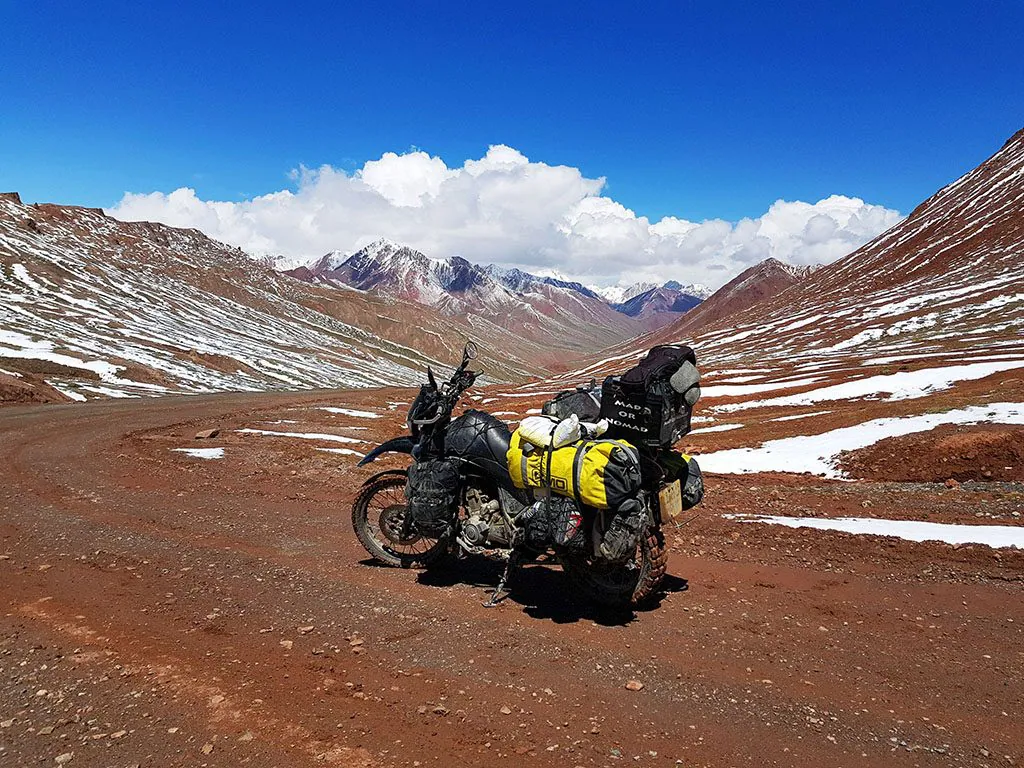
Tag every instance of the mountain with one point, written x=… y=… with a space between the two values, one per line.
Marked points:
x=659 y=306
x=559 y=314
x=752 y=286
x=452 y=285
x=623 y=294
x=524 y=282
x=947 y=280
x=94 y=307
x=458 y=287
x=935 y=300
x=620 y=294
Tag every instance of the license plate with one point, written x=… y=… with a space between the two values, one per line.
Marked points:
x=670 y=500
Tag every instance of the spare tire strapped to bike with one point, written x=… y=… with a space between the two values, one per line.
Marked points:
x=597 y=473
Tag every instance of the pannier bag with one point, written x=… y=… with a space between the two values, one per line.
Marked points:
x=597 y=473
x=651 y=403
x=693 y=485
x=583 y=402
x=432 y=493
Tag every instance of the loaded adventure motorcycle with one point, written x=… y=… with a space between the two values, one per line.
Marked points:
x=593 y=498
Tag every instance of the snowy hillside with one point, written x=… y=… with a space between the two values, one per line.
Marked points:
x=560 y=314
x=919 y=329
x=94 y=307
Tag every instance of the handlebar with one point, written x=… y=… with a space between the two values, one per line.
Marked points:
x=449 y=394
x=428 y=422
x=453 y=390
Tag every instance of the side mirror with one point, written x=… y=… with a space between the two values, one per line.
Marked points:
x=469 y=351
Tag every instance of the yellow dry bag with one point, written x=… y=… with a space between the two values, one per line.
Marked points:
x=597 y=473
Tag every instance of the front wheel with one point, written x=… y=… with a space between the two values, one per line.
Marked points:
x=378 y=518
x=626 y=584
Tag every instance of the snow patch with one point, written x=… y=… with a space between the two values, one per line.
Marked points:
x=905 y=385
x=301 y=435
x=739 y=390
x=202 y=453
x=351 y=412
x=995 y=536
x=817 y=453
x=716 y=428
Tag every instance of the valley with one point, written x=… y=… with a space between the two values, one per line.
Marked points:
x=848 y=592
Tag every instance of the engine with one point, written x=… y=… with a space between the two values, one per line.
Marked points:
x=485 y=527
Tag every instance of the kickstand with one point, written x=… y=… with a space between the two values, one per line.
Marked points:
x=513 y=561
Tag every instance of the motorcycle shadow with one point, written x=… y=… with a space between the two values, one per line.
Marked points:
x=544 y=591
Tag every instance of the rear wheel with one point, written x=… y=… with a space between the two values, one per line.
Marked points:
x=378 y=518
x=624 y=584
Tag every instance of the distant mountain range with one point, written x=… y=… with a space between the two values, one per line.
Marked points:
x=621 y=294
x=759 y=283
x=545 y=310
x=456 y=286
x=662 y=304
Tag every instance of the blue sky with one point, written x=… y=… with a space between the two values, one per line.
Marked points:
x=700 y=109
x=696 y=110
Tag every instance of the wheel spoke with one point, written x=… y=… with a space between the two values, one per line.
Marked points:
x=381 y=522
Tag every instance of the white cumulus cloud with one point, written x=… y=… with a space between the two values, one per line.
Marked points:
x=505 y=209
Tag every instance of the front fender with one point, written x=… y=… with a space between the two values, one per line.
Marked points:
x=385 y=473
x=403 y=444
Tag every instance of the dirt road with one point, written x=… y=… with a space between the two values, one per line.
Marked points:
x=159 y=609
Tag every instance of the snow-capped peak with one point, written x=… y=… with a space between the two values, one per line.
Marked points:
x=698 y=290
x=620 y=294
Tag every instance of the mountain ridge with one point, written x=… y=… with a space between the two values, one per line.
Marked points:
x=455 y=285
x=91 y=306
x=945 y=283
x=560 y=313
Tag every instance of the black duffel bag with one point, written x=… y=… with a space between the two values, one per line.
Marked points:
x=645 y=405
x=432 y=492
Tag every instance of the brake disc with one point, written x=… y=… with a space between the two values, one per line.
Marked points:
x=392 y=525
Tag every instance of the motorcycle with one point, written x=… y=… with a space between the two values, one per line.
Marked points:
x=476 y=510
